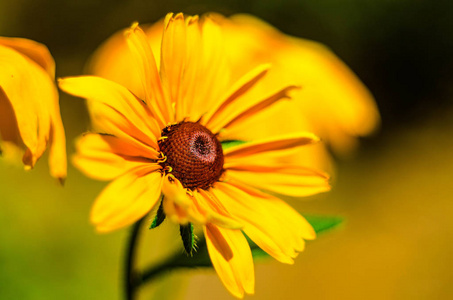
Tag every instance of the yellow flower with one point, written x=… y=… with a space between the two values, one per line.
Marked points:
x=29 y=110
x=332 y=102
x=168 y=140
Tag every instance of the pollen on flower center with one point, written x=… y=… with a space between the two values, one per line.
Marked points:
x=193 y=154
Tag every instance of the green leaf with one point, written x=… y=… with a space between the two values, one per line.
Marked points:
x=160 y=215
x=231 y=143
x=320 y=224
x=189 y=240
x=323 y=223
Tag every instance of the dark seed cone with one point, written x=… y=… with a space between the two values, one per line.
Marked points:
x=194 y=154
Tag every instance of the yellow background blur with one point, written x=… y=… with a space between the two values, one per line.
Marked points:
x=395 y=194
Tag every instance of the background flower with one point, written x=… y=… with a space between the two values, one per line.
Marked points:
x=29 y=111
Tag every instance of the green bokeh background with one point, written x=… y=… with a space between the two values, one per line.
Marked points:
x=395 y=193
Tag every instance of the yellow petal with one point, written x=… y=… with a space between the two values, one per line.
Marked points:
x=173 y=60
x=213 y=210
x=127 y=199
x=272 y=224
x=278 y=143
x=9 y=129
x=174 y=212
x=221 y=108
x=232 y=259
x=291 y=181
x=178 y=204
x=173 y=189
x=33 y=99
x=213 y=76
x=33 y=50
x=234 y=114
x=115 y=110
x=192 y=72
x=113 y=59
x=149 y=75
x=105 y=157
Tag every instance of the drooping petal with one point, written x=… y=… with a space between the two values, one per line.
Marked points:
x=114 y=110
x=173 y=189
x=232 y=259
x=33 y=50
x=126 y=199
x=179 y=206
x=106 y=157
x=272 y=224
x=174 y=212
x=28 y=91
x=149 y=76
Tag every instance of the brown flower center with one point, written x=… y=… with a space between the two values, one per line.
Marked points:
x=193 y=154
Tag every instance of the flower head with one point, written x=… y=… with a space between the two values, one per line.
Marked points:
x=170 y=142
x=29 y=111
x=333 y=103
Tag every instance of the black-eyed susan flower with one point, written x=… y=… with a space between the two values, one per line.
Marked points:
x=29 y=111
x=169 y=140
x=333 y=103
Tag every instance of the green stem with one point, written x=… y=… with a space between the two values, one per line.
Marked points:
x=130 y=275
x=200 y=259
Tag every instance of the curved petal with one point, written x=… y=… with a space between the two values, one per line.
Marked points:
x=33 y=50
x=106 y=157
x=149 y=75
x=33 y=99
x=272 y=224
x=115 y=110
x=126 y=199
x=178 y=204
x=173 y=189
x=232 y=259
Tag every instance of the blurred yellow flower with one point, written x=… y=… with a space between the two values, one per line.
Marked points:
x=167 y=137
x=332 y=102
x=29 y=110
